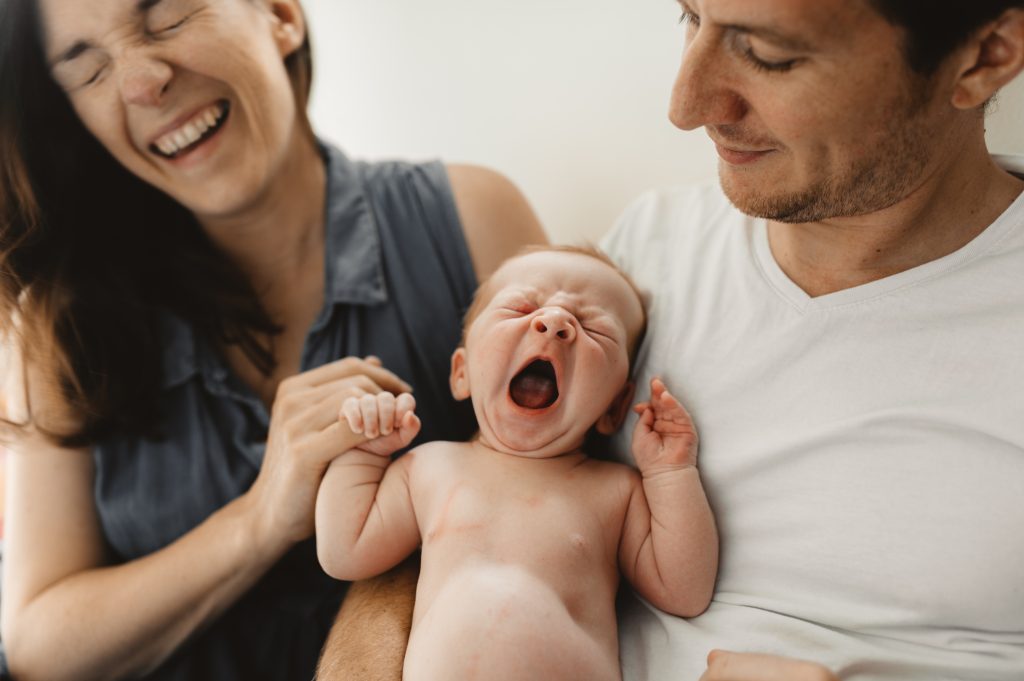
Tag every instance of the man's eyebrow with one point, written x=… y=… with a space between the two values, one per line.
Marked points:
x=783 y=40
x=772 y=35
x=145 y=5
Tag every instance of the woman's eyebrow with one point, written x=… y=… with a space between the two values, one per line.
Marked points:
x=76 y=49
x=80 y=46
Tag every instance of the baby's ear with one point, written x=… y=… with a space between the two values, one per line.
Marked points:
x=459 y=378
x=612 y=419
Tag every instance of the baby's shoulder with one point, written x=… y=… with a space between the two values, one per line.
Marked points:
x=613 y=474
x=435 y=456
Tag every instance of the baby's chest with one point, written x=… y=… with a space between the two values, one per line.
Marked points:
x=548 y=524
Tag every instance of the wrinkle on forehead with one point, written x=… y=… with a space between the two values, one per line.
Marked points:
x=821 y=23
x=65 y=24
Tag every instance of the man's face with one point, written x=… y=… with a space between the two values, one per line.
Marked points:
x=811 y=105
x=548 y=355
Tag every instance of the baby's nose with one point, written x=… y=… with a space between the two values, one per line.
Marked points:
x=556 y=322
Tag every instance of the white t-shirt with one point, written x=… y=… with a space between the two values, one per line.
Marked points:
x=863 y=451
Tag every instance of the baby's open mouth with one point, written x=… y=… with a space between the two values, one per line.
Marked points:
x=535 y=387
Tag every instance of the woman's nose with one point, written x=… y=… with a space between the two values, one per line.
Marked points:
x=143 y=79
x=702 y=94
x=556 y=323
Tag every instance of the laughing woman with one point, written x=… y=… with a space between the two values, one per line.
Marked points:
x=194 y=284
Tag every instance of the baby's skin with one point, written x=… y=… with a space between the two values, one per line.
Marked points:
x=523 y=536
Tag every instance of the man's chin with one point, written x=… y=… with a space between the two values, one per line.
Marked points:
x=752 y=198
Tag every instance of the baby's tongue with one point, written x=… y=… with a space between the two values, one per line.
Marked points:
x=533 y=391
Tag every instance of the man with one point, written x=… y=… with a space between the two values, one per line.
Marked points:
x=844 y=320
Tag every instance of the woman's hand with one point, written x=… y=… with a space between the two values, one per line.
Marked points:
x=306 y=434
x=727 y=666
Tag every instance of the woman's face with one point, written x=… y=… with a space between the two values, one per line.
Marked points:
x=192 y=96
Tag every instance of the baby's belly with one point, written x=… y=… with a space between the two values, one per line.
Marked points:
x=500 y=623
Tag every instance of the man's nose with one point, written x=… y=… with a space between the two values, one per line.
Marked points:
x=143 y=79
x=702 y=93
x=555 y=322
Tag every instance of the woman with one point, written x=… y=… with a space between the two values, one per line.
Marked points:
x=197 y=285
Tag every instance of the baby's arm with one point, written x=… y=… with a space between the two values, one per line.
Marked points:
x=365 y=523
x=669 y=548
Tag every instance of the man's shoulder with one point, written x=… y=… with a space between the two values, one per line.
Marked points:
x=673 y=222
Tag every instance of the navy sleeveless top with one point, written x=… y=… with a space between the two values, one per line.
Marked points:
x=398 y=280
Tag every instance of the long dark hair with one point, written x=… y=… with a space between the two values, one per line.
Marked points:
x=90 y=254
x=935 y=29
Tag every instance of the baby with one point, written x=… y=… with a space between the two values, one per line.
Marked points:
x=523 y=536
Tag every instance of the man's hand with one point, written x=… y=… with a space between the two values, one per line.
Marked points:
x=664 y=437
x=389 y=421
x=727 y=666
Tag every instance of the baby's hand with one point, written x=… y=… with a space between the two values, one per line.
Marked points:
x=388 y=421
x=664 y=437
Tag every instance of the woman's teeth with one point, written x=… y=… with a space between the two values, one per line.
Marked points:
x=190 y=133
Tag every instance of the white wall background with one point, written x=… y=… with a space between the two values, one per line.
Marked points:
x=569 y=98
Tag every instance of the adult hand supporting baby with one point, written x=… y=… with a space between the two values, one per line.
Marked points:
x=306 y=433
x=729 y=666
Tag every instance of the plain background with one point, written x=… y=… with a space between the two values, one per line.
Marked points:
x=569 y=98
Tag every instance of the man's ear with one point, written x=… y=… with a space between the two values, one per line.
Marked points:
x=612 y=419
x=991 y=59
x=459 y=378
x=289 y=25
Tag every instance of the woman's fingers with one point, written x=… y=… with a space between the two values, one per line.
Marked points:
x=351 y=366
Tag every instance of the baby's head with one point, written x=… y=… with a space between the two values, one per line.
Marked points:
x=546 y=351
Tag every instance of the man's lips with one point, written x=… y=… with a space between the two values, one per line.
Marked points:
x=740 y=156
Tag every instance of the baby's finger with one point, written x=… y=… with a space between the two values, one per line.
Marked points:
x=374 y=360
x=386 y=408
x=641 y=407
x=371 y=422
x=351 y=413
x=404 y=404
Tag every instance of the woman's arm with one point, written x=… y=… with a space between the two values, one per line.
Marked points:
x=496 y=218
x=68 y=614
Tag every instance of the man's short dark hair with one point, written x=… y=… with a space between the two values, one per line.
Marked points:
x=935 y=29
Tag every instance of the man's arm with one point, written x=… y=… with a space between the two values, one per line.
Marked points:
x=368 y=640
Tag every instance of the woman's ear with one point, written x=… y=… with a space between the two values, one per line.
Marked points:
x=613 y=417
x=992 y=58
x=289 y=25
x=459 y=378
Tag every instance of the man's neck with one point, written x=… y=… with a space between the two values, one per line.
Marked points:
x=949 y=208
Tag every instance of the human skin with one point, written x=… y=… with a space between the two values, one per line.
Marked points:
x=822 y=128
x=257 y=189
x=524 y=536
x=842 y=106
